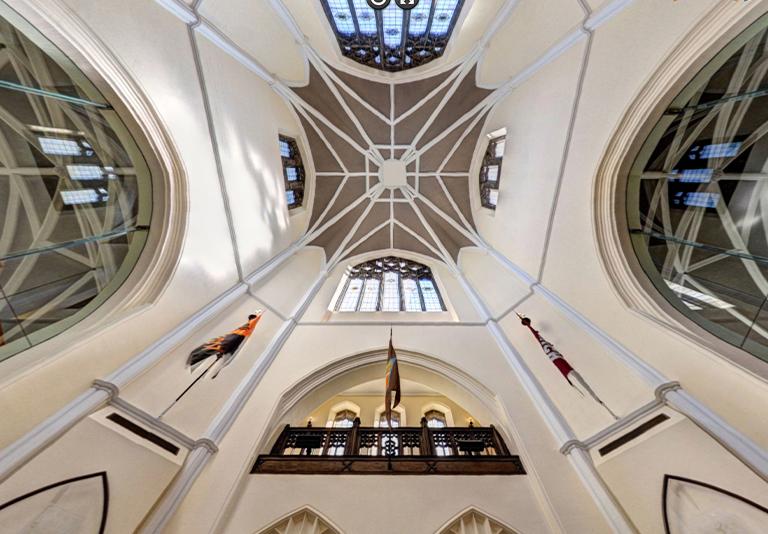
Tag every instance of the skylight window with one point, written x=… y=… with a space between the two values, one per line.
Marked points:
x=392 y=39
x=490 y=172
x=389 y=285
x=293 y=171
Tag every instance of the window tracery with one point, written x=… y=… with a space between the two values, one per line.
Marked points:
x=389 y=285
x=392 y=39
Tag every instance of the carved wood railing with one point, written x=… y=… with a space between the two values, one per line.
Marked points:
x=454 y=450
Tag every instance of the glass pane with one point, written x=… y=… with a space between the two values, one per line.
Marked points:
x=388 y=39
x=352 y=295
x=370 y=300
x=441 y=22
x=498 y=149
x=392 y=19
x=419 y=18
x=285 y=149
x=411 y=297
x=366 y=18
x=431 y=298
x=492 y=173
x=342 y=17
x=73 y=189
x=390 y=301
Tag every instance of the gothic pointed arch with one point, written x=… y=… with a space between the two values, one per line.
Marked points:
x=303 y=521
x=473 y=521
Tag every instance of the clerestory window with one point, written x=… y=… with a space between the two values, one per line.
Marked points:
x=392 y=39
x=389 y=285
x=490 y=172
x=293 y=171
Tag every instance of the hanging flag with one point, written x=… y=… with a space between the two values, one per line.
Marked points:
x=223 y=348
x=220 y=349
x=392 y=382
x=568 y=372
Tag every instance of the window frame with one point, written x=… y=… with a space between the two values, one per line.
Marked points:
x=490 y=159
x=294 y=160
x=376 y=269
x=414 y=50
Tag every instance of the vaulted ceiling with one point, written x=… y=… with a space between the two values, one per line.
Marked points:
x=392 y=161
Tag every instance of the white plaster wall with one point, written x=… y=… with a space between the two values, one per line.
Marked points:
x=626 y=50
x=470 y=348
x=533 y=27
x=256 y=27
x=137 y=471
x=387 y=504
x=247 y=118
x=636 y=472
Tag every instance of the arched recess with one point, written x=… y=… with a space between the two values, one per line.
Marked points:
x=157 y=263
x=720 y=26
x=342 y=374
x=473 y=521
x=304 y=521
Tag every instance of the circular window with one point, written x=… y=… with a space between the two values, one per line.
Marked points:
x=74 y=191
x=698 y=196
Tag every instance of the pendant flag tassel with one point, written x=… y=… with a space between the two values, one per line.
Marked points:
x=220 y=350
x=569 y=373
x=391 y=382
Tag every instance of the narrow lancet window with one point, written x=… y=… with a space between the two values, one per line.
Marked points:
x=293 y=171
x=490 y=172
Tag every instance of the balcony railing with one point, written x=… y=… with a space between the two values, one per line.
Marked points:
x=407 y=450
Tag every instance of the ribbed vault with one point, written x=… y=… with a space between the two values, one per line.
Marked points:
x=392 y=160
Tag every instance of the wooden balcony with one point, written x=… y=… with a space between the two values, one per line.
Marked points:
x=380 y=451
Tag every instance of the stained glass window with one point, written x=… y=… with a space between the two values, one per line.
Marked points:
x=293 y=171
x=392 y=39
x=490 y=172
x=389 y=285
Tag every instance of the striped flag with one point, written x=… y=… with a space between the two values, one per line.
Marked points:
x=568 y=372
x=391 y=382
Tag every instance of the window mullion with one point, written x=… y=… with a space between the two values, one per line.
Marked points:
x=421 y=295
x=360 y=296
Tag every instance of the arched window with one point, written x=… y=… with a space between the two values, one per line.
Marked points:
x=75 y=192
x=392 y=39
x=389 y=285
x=302 y=522
x=490 y=171
x=383 y=419
x=436 y=419
x=476 y=522
x=344 y=419
x=293 y=171
x=697 y=208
